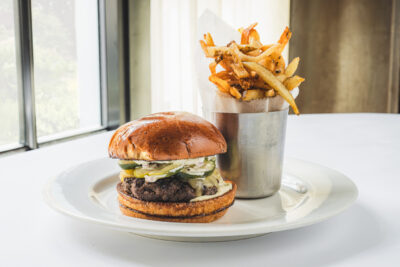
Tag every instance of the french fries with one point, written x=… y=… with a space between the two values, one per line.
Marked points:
x=265 y=47
x=284 y=39
x=261 y=84
x=222 y=84
x=270 y=93
x=255 y=52
x=268 y=63
x=253 y=70
x=209 y=39
x=279 y=63
x=281 y=77
x=225 y=75
x=272 y=81
x=213 y=67
x=239 y=70
x=213 y=51
x=235 y=92
x=247 y=32
x=292 y=67
x=253 y=94
x=263 y=55
x=293 y=82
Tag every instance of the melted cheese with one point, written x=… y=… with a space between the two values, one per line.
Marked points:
x=214 y=179
x=222 y=189
x=125 y=174
x=198 y=183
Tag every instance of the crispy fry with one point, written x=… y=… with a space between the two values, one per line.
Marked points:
x=209 y=39
x=254 y=35
x=260 y=84
x=285 y=36
x=249 y=83
x=253 y=74
x=268 y=63
x=239 y=70
x=265 y=47
x=255 y=43
x=284 y=39
x=213 y=51
x=270 y=79
x=281 y=77
x=279 y=63
x=235 y=92
x=270 y=93
x=292 y=67
x=254 y=39
x=245 y=48
x=222 y=84
x=253 y=94
x=246 y=33
x=226 y=64
x=254 y=53
x=213 y=67
x=205 y=49
x=293 y=82
x=221 y=89
x=244 y=57
x=226 y=75
x=237 y=67
x=245 y=83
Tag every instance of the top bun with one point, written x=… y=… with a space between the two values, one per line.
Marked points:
x=166 y=136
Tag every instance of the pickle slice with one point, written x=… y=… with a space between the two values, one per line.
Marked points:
x=162 y=171
x=201 y=171
x=127 y=164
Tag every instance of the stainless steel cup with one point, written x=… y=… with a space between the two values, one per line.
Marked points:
x=255 y=150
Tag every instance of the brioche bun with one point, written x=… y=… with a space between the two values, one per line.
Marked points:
x=166 y=136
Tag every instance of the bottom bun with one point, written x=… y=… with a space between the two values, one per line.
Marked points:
x=187 y=212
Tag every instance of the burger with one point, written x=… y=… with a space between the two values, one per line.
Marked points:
x=168 y=170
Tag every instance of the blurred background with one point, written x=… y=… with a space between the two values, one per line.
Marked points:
x=70 y=68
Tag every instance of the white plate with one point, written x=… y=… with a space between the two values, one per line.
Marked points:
x=310 y=193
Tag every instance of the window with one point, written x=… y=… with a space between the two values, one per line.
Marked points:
x=58 y=63
x=66 y=64
x=9 y=135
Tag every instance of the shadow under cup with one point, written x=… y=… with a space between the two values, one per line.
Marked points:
x=254 y=159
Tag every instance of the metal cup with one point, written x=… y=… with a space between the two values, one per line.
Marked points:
x=255 y=150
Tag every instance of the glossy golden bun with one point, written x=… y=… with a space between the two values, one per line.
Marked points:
x=189 y=212
x=166 y=136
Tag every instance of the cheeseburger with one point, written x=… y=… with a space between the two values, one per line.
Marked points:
x=168 y=170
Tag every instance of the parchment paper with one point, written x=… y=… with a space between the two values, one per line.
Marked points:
x=212 y=99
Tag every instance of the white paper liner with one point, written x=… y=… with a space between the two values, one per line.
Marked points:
x=212 y=99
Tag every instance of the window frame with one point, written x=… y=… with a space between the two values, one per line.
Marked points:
x=114 y=82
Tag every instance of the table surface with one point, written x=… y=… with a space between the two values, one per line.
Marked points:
x=365 y=147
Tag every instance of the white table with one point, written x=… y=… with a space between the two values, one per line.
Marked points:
x=365 y=147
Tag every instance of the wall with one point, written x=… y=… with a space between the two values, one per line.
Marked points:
x=349 y=53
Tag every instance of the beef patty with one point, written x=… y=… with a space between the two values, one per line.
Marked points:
x=163 y=190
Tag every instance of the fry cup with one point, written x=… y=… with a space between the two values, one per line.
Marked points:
x=254 y=158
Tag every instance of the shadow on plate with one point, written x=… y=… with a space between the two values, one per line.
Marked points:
x=336 y=239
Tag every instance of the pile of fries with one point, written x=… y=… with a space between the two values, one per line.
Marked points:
x=253 y=70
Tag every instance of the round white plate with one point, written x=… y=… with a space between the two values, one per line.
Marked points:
x=309 y=194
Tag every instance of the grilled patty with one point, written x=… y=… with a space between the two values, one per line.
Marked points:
x=169 y=189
